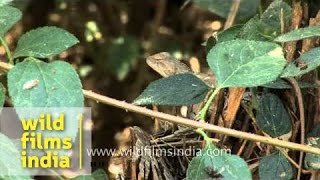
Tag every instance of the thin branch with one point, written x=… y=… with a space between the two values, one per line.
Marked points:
x=4 y=44
x=232 y=14
x=189 y=122
x=195 y=124
x=297 y=90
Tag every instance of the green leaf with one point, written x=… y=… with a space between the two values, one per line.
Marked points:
x=312 y=161
x=271 y=20
x=309 y=60
x=298 y=34
x=247 y=9
x=221 y=165
x=272 y=117
x=212 y=41
x=222 y=36
x=99 y=174
x=122 y=55
x=245 y=63
x=4 y=2
x=229 y=34
x=83 y=177
x=283 y=84
x=2 y=95
x=34 y=83
x=9 y=16
x=179 y=89
x=275 y=166
x=44 y=42
x=10 y=163
x=251 y=30
x=96 y=175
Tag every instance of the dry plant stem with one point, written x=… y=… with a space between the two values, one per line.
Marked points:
x=232 y=14
x=234 y=100
x=297 y=11
x=188 y=122
x=243 y=145
x=292 y=161
x=235 y=94
x=4 y=44
x=297 y=90
x=295 y=23
x=195 y=124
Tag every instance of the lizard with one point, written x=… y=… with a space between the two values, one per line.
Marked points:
x=166 y=65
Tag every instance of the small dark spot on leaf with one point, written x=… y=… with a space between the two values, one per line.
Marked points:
x=212 y=173
x=301 y=64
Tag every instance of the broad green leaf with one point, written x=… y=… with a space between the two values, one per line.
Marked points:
x=30 y=152
x=212 y=41
x=315 y=132
x=298 y=34
x=245 y=63
x=9 y=16
x=2 y=95
x=251 y=30
x=272 y=117
x=122 y=55
x=99 y=174
x=96 y=175
x=10 y=163
x=180 y=89
x=312 y=161
x=275 y=166
x=283 y=84
x=308 y=61
x=5 y=2
x=208 y=165
x=247 y=9
x=270 y=19
x=44 y=42
x=34 y=83
x=83 y=177
x=229 y=34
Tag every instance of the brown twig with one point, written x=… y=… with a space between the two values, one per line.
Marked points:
x=232 y=14
x=235 y=94
x=295 y=23
x=195 y=124
x=297 y=90
x=293 y=82
x=190 y=123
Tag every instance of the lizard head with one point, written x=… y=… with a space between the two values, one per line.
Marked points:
x=166 y=65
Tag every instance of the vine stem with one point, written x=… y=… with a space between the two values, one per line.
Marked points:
x=205 y=136
x=298 y=92
x=189 y=122
x=203 y=112
x=8 y=52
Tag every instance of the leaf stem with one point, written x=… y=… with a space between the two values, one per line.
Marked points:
x=203 y=111
x=205 y=136
x=8 y=52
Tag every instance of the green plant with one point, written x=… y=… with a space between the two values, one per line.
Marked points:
x=35 y=83
x=248 y=55
x=243 y=56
